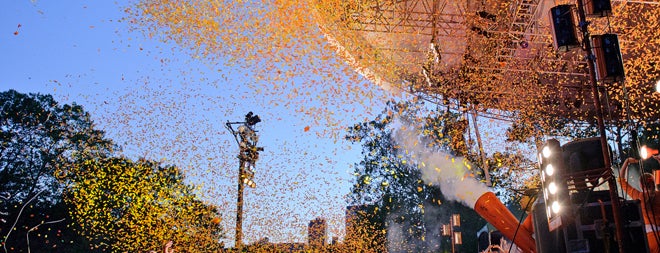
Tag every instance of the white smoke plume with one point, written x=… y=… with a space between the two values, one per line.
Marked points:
x=451 y=174
x=397 y=241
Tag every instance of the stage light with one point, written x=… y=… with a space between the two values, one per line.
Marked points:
x=646 y=152
x=524 y=44
x=547 y=152
x=556 y=207
x=549 y=169
x=252 y=119
x=555 y=191
x=552 y=188
x=643 y=153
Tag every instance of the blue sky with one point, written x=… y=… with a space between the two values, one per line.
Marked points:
x=158 y=102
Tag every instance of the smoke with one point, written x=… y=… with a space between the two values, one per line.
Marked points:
x=396 y=235
x=398 y=231
x=451 y=174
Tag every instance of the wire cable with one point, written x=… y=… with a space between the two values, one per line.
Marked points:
x=520 y=221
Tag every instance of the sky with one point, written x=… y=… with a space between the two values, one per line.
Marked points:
x=159 y=102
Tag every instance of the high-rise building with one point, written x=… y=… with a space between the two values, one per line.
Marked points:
x=317 y=233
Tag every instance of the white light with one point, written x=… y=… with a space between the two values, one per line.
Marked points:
x=552 y=187
x=555 y=207
x=657 y=86
x=643 y=152
x=249 y=183
x=546 y=152
x=549 y=170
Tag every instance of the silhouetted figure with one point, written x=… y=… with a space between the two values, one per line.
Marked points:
x=649 y=202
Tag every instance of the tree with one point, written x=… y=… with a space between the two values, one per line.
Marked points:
x=63 y=190
x=390 y=178
x=38 y=138
x=127 y=206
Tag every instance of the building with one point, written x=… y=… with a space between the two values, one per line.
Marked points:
x=317 y=233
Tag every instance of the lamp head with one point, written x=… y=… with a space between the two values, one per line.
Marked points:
x=646 y=152
x=252 y=119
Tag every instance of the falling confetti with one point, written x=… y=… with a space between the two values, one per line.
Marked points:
x=305 y=60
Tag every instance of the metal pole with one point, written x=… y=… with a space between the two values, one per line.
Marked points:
x=480 y=146
x=451 y=229
x=601 y=125
x=239 y=207
x=247 y=152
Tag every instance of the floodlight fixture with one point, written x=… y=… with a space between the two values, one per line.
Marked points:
x=524 y=44
x=549 y=169
x=556 y=207
x=555 y=191
x=546 y=152
x=251 y=119
x=645 y=152
x=552 y=188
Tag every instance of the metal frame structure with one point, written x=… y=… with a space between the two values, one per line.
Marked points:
x=498 y=39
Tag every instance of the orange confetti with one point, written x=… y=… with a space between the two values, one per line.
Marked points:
x=216 y=220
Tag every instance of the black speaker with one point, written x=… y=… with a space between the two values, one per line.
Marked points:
x=600 y=8
x=564 y=30
x=609 y=63
x=595 y=233
x=584 y=156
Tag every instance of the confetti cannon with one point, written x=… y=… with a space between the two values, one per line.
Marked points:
x=492 y=210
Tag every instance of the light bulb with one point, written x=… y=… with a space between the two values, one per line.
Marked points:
x=555 y=207
x=552 y=187
x=549 y=170
x=546 y=152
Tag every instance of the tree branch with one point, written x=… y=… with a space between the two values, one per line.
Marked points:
x=35 y=227
x=4 y=246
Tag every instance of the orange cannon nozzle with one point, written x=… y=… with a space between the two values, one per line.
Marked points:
x=493 y=211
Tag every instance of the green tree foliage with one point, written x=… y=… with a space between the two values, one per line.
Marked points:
x=38 y=138
x=61 y=184
x=390 y=179
x=127 y=206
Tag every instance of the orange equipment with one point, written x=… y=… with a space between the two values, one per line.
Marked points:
x=493 y=211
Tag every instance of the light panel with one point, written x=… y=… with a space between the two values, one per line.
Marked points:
x=554 y=189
